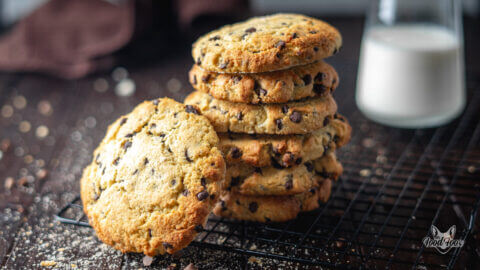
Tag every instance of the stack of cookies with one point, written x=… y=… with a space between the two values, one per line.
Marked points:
x=267 y=92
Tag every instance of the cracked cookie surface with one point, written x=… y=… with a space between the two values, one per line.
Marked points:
x=282 y=86
x=154 y=178
x=272 y=208
x=267 y=43
x=249 y=180
x=284 y=150
x=298 y=117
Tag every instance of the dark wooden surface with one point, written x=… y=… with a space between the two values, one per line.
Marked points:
x=76 y=123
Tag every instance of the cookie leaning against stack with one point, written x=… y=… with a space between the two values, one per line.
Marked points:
x=154 y=178
x=265 y=88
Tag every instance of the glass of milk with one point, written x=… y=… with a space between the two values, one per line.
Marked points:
x=411 y=71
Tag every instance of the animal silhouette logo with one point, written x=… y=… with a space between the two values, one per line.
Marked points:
x=442 y=242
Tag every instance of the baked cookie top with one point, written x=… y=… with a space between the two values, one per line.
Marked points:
x=249 y=180
x=284 y=150
x=269 y=87
x=299 y=117
x=271 y=208
x=267 y=43
x=154 y=178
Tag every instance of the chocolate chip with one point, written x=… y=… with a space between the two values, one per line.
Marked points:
x=145 y=161
x=312 y=190
x=206 y=78
x=203 y=181
x=191 y=109
x=307 y=79
x=326 y=121
x=294 y=35
x=236 y=152
x=127 y=145
x=173 y=182
x=96 y=196
x=237 y=79
x=223 y=205
x=152 y=172
x=199 y=228
x=258 y=170
x=129 y=135
x=319 y=89
x=149 y=232
x=320 y=76
x=185 y=192
x=336 y=138
x=223 y=65
x=280 y=44
x=313 y=32
x=212 y=196
x=309 y=166
x=123 y=121
x=202 y=195
x=279 y=124
x=239 y=116
x=186 y=156
x=199 y=62
x=315 y=49
x=250 y=30
x=155 y=102
x=115 y=162
x=263 y=92
x=135 y=172
x=235 y=181
x=298 y=161
x=97 y=158
x=296 y=117
x=253 y=207
x=289 y=183
x=285 y=109
x=167 y=245
x=217 y=37
x=195 y=79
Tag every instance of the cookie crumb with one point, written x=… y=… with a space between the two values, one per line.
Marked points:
x=147 y=260
x=365 y=172
x=48 y=263
x=191 y=266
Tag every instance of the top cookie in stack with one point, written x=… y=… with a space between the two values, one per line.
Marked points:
x=264 y=87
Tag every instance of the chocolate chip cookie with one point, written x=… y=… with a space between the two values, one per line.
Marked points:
x=154 y=178
x=299 y=117
x=284 y=150
x=269 y=87
x=249 y=180
x=271 y=208
x=266 y=43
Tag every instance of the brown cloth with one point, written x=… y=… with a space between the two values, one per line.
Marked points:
x=67 y=38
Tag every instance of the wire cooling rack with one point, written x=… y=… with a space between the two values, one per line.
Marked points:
x=396 y=184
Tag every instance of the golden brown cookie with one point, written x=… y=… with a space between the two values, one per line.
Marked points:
x=284 y=150
x=248 y=180
x=271 y=208
x=283 y=86
x=266 y=43
x=154 y=178
x=298 y=117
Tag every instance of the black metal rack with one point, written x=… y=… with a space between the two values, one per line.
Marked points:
x=396 y=184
